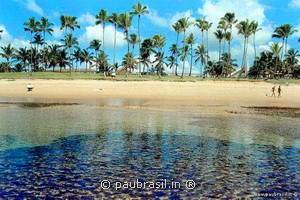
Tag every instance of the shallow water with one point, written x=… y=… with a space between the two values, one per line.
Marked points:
x=67 y=151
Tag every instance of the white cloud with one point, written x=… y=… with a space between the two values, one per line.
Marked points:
x=6 y=39
x=95 y=32
x=243 y=9
x=294 y=4
x=57 y=32
x=32 y=6
x=87 y=18
x=156 y=19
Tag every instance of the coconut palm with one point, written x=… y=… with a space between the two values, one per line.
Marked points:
x=86 y=57
x=139 y=10
x=7 y=52
x=159 y=42
x=201 y=24
x=95 y=45
x=69 y=23
x=31 y=26
x=133 y=40
x=292 y=61
x=178 y=29
x=69 y=42
x=102 y=18
x=159 y=62
x=284 y=32
x=219 y=35
x=62 y=59
x=125 y=20
x=114 y=19
x=46 y=28
x=102 y=62
x=254 y=29
x=190 y=40
x=275 y=48
x=174 y=54
x=77 y=57
x=244 y=28
x=22 y=56
x=184 y=53
x=208 y=25
x=223 y=26
x=129 y=62
x=201 y=56
x=230 y=20
x=146 y=49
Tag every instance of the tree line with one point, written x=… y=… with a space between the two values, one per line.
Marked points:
x=277 y=62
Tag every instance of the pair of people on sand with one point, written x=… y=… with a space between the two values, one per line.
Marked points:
x=278 y=91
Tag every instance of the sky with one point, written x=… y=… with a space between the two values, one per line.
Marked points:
x=163 y=13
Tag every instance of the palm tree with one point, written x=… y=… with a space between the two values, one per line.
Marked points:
x=201 y=24
x=244 y=28
x=159 y=42
x=190 y=40
x=174 y=54
x=7 y=52
x=1 y=31
x=22 y=55
x=178 y=29
x=77 y=57
x=275 y=48
x=46 y=28
x=219 y=35
x=139 y=10
x=159 y=63
x=102 y=18
x=146 y=49
x=292 y=61
x=223 y=26
x=200 y=55
x=62 y=59
x=185 y=23
x=31 y=26
x=86 y=57
x=254 y=29
x=70 y=41
x=284 y=32
x=69 y=23
x=102 y=62
x=133 y=40
x=125 y=20
x=95 y=45
x=184 y=52
x=230 y=20
x=129 y=62
x=208 y=25
x=114 y=19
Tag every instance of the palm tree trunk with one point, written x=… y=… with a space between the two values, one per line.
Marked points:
x=282 y=49
x=115 y=41
x=139 y=40
x=128 y=46
x=254 y=45
x=103 y=32
x=183 y=66
x=220 y=47
x=246 y=52
x=177 y=39
x=190 y=74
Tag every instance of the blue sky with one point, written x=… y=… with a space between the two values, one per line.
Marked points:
x=269 y=14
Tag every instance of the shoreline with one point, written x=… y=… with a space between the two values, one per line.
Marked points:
x=188 y=95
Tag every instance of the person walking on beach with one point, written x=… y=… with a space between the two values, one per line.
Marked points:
x=279 y=91
x=273 y=91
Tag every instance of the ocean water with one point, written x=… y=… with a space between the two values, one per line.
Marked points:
x=93 y=152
